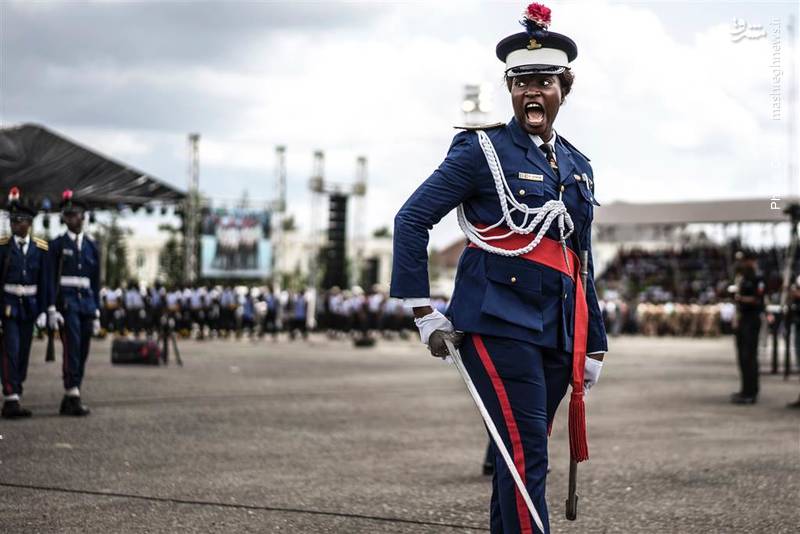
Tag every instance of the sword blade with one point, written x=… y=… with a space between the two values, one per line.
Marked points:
x=498 y=441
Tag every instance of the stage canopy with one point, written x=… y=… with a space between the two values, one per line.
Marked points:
x=43 y=163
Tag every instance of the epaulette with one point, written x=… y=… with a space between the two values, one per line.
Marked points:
x=473 y=127
x=4 y=240
x=572 y=147
x=41 y=243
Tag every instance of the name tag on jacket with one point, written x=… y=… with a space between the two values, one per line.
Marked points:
x=531 y=177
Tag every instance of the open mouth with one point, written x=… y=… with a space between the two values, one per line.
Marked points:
x=534 y=114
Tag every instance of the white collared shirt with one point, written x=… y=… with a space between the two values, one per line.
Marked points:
x=23 y=243
x=552 y=142
x=77 y=238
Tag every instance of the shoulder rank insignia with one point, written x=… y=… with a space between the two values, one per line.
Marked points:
x=572 y=147
x=40 y=243
x=4 y=240
x=473 y=127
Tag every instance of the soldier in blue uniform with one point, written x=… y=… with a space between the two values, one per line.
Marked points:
x=27 y=297
x=525 y=199
x=76 y=261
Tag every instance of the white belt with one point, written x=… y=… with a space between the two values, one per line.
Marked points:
x=75 y=281
x=20 y=290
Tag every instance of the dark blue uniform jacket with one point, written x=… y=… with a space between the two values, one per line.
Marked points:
x=539 y=306
x=30 y=269
x=84 y=264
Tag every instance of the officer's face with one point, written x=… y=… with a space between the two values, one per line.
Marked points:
x=20 y=226
x=74 y=221
x=536 y=99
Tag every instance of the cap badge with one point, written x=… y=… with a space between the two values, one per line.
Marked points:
x=533 y=45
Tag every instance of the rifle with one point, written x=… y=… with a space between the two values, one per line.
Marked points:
x=50 y=353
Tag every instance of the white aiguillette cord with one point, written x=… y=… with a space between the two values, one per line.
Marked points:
x=498 y=441
x=544 y=214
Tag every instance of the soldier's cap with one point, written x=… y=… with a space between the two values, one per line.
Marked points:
x=69 y=204
x=17 y=208
x=536 y=50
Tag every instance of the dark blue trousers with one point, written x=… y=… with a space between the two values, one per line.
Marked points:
x=521 y=385
x=76 y=335
x=17 y=336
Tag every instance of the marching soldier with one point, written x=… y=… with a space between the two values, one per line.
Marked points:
x=76 y=261
x=27 y=298
x=525 y=199
x=749 y=307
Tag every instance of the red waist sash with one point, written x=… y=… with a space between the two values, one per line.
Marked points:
x=550 y=253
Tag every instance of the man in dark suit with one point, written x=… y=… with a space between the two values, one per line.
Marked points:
x=749 y=308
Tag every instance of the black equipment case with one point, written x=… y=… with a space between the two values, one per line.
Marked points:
x=135 y=351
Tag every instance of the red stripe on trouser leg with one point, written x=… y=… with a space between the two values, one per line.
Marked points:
x=513 y=432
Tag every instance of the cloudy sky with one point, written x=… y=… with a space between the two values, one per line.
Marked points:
x=668 y=103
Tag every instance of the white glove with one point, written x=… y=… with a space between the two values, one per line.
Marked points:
x=591 y=373
x=428 y=324
x=41 y=321
x=96 y=327
x=54 y=319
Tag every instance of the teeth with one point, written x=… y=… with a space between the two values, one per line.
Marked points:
x=533 y=105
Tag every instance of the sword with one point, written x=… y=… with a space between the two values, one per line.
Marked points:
x=498 y=441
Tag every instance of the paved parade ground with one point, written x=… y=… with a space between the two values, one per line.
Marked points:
x=320 y=437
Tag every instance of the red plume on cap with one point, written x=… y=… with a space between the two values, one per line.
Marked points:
x=66 y=195
x=13 y=194
x=538 y=14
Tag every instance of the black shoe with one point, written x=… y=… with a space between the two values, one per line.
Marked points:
x=71 y=405
x=740 y=398
x=12 y=410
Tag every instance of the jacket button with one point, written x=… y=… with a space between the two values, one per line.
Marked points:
x=513 y=279
x=562 y=188
x=522 y=192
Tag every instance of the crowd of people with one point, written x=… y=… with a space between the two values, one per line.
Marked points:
x=253 y=311
x=654 y=293
x=686 y=292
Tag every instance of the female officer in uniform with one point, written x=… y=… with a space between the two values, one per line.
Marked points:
x=525 y=202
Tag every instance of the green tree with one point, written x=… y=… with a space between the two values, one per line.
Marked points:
x=170 y=259
x=114 y=252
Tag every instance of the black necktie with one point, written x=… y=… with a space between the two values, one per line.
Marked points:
x=550 y=156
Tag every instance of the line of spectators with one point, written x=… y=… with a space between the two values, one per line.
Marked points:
x=257 y=311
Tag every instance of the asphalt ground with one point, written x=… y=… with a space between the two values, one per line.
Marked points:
x=319 y=436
